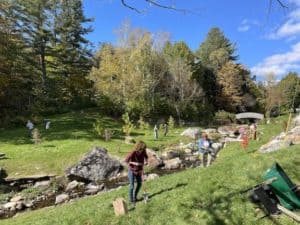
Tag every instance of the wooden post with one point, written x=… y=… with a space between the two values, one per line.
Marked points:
x=120 y=207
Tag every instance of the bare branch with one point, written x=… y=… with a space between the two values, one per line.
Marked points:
x=130 y=7
x=281 y=4
x=153 y=2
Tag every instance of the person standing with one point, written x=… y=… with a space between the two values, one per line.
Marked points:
x=30 y=127
x=205 y=149
x=136 y=161
x=155 y=130
x=166 y=129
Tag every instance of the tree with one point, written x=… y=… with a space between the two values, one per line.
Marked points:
x=232 y=86
x=182 y=89
x=273 y=97
x=290 y=91
x=216 y=50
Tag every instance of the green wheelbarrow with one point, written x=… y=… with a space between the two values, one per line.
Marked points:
x=286 y=191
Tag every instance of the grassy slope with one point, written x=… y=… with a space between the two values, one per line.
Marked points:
x=70 y=137
x=196 y=196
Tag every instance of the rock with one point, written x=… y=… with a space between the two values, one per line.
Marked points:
x=96 y=166
x=209 y=131
x=75 y=186
x=173 y=164
x=192 y=158
x=227 y=130
x=188 y=151
x=61 y=198
x=217 y=146
x=191 y=132
x=154 y=161
x=10 y=205
x=42 y=201
x=296 y=121
x=151 y=176
x=92 y=189
x=169 y=155
x=43 y=185
x=28 y=203
x=274 y=145
x=20 y=206
x=129 y=140
x=16 y=198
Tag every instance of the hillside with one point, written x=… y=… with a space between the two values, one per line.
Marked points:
x=195 y=196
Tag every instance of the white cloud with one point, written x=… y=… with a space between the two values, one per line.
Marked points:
x=291 y=27
x=246 y=24
x=243 y=28
x=279 y=64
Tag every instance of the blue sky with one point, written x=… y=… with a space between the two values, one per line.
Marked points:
x=267 y=38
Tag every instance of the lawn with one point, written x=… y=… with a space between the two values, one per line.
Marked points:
x=203 y=196
x=71 y=136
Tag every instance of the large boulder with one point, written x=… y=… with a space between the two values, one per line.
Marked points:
x=154 y=161
x=173 y=164
x=274 y=145
x=191 y=132
x=227 y=131
x=96 y=166
x=296 y=121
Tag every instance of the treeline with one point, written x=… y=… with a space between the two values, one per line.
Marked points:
x=148 y=76
x=46 y=67
x=44 y=58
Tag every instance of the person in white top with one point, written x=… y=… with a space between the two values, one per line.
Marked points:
x=29 y=126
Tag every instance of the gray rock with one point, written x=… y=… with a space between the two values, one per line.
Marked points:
x=10 y=205
x=96 y=166
x=92 y=189
x=154 y=161
x=274 y=145
x=169 y=155
x=75 y=186
x=191 y=132
x=43 y=185
x=16 y=198
x=61 y=198
x=173 y=164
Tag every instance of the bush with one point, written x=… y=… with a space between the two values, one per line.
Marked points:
x=128 y=125
x=36 y=136
x=171 y=123
x=223 y=117
x=143 y=124
x=99 y=128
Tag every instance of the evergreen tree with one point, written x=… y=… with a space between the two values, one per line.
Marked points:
x=216 y=50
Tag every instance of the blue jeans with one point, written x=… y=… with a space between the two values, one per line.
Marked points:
x=131 y=177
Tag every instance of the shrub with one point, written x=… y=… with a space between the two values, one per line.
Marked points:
x=171 y=123
x=99 y=128
x=128 y=125
x=36 y=136
x=224 y=117
x=143 y=124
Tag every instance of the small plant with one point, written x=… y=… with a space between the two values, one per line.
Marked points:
x=36 y=136
x=128 y=125
x=143 y=124
x=99 y=128
x=171 y=123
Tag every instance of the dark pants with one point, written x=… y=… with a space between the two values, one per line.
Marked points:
x=138 y=177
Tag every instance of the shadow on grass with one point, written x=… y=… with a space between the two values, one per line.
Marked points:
x=167 y=189
x=221 y=209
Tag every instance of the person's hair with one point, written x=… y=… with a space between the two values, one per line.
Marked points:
x=140 y=146
x=204 y=135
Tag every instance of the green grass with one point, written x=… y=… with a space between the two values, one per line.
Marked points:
x=204 y=196
x=71 y=136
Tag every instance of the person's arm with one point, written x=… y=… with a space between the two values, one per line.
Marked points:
x=128 y=160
